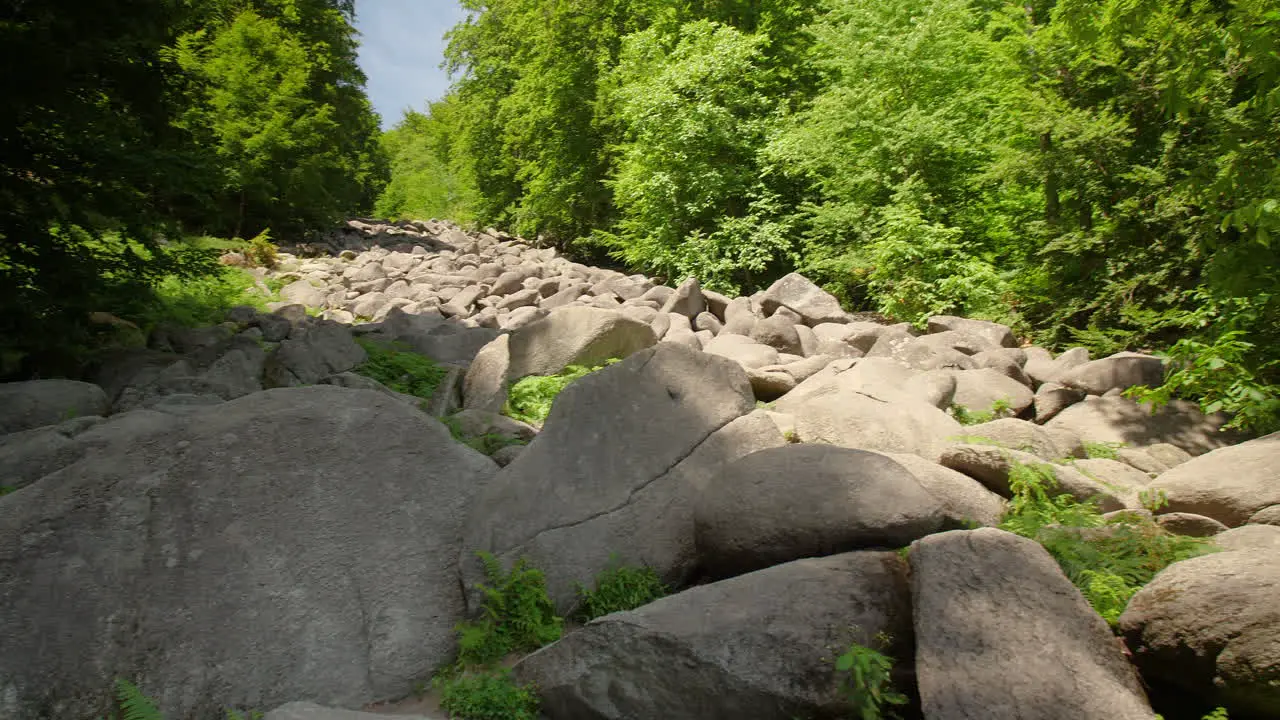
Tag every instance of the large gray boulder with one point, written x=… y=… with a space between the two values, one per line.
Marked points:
x=812 y=303
x=863 y=407
x=313 y=353
x=1001 y=634
x=575 y=336
x=1228 y=485
x=1016 y=434
x=992 y=466
x=444 y=340
x=485 y=386
x=294 y=543
x=754 y=647
x=801 y=501
x=1210 y=627
x=36 y=403
x=1121 y=420
x=1117 y=372
x=981 y=389
x=964 y=500
x=610 y=471
x=994 y=333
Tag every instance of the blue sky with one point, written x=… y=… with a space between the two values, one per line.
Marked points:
x=401 y=48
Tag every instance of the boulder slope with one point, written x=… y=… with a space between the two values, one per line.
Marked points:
x=295 y=543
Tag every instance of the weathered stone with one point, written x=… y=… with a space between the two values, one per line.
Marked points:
x=1117 y=372
x=35 y=403
x=1123 y=421
x=687 y=299
x=485 y=387
x=1021 y=435
x=1269 y=515
x=1052 y=398
x=964 y=500
x=1190 y=524
x=219 y=532
x=994 y=333
x=623 y=488
x=754 y=647
x=1210 y=627
x=981 y=390
x=304 y=293
x=1001 y=634
x=738 y=317
x=322 y=349
x=311 y=711
x=1042 y=367
x=798 y=293
x=1249 y=537
x=768 y=386
x=991 y=466
x=1228 y=485
x=743 y=350
x=777 y=332
x=575 y=336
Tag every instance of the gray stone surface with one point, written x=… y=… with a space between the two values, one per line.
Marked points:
x=994 y=333
x=1120 y=420
x=1001 y=634
x=575 y=336
x=36 y=403
x=809 y=301
x=311 y=711
x=295 y=543
x=311 y=354
x=1210 y=627
x=1228 y=485
x=586 y=489
x=754 y=647
x=800 y=501
x=485 y=386
x=1116 y=372
x=964 y=500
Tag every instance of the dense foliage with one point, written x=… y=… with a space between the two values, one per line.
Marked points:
x=130 y=125
x=1102 y=172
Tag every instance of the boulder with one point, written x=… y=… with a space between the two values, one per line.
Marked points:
x=1113 y=473
x=1210 y=627
x=738 y=317
x=1002 y=634
x=966 y=343
x=754 y=647
x=35 y=403
x=485 y=386
x=1052 y=398
x=813 y=304
x=1269 y=515
x=1228 y=485
x=304 y=293
x=994 y=333
x=1249 y=537
x=964 y=500
x=850 y=408
x=588 y=487
x=444 y=340
x=919 y=354
x=743 y=350
x=1042 y=367
x=687 y=300
x=991 y=466
x=575 y=336
x=1117 y=372
x=224 y=537
x=313 y=353
x=777 y=332
x=980 y=390
x=1123 y=421
x=1006 y=361
x=769 y=385
x=1021 y=435
x=801 y=501
x=1166 y=454
x=1190 y=524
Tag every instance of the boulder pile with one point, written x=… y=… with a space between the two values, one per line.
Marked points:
x=233 y=517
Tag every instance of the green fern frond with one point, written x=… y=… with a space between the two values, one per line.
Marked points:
x=133 y=704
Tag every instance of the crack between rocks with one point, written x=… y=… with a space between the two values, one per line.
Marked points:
x=634 y=491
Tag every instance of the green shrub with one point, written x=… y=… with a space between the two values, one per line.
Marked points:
x=1108 y=561
x=400 y=369
x=865 y=679
x=487 y=444
x=620 y=587
x=1102 y=450
x=6 y=489
x=530 y=399
x=196 y=302
x=486 y=695
x=1222 y=376
x=965 y=416
x=261 y=251
x=517 y=615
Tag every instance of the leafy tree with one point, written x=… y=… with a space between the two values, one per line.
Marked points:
x=427 y=178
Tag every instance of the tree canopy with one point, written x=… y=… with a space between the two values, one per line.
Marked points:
x=129 y=125
x=1098 y=172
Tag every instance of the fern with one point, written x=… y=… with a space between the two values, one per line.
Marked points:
x=133 y=704
x=1108 y=561
x=619 y=587
x=517 y=615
